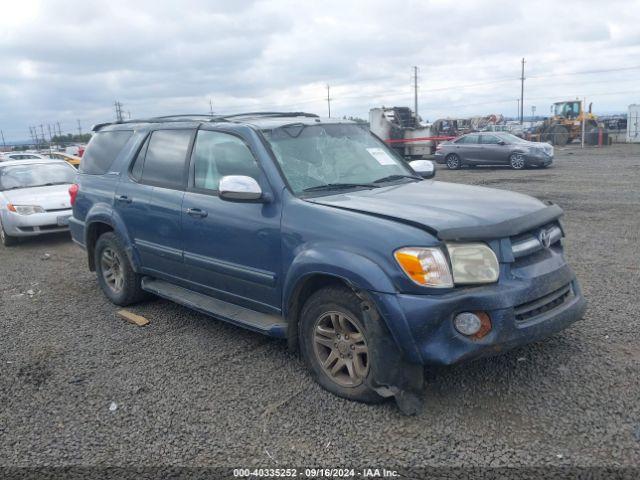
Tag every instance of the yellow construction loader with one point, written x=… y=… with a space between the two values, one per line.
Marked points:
x=565 y=124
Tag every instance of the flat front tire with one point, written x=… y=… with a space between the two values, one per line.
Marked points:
x=117 y=279
x=335 y=344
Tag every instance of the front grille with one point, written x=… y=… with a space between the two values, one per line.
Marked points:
x=531 y=242
x=530 y=310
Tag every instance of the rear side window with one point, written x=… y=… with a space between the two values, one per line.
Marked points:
x=469 y=139
x=490 y=139
x=164 y=161
x=102 y=150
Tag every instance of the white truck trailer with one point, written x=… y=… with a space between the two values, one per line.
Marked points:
x=403 y=131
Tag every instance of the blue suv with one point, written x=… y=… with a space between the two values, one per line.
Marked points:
x=313 y=230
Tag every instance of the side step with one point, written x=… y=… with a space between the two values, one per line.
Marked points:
x=272 y=325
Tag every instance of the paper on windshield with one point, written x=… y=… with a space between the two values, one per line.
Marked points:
x=381 y=156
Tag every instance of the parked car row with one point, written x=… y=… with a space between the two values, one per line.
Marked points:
x=71 y=159
x=311 y=230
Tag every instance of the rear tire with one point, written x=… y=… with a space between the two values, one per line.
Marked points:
x=334 y=344
x=117 y=279
x=7 y=240
x=454 y=162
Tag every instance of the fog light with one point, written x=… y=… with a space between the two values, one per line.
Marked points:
x=467 y=323
x=472 y=324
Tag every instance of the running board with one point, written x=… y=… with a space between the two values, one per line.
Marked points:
x=267 y=324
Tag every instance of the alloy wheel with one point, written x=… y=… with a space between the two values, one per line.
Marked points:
x=453 y=162
x=341 y=349
x=111 y=267
x=517 y=161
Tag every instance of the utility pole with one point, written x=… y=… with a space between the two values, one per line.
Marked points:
x=118 y=106
x=522 y=93
x=328 y=101
x=415 y=91
x=210 y=107
x=533 y=112
x=4 y=145
x=79 y=127
x=584 y=102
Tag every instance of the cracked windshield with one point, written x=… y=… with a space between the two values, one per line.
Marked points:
x=334 y=157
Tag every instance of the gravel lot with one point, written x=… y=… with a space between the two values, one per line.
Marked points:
x=190 y=390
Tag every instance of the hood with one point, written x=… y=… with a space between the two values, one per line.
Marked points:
x=451 y=211
x=52 y=197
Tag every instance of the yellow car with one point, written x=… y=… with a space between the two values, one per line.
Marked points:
x=71 y=159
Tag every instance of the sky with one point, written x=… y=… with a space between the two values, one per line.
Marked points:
x=64 y=61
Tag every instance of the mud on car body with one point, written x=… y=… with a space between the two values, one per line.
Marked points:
x=313 y=230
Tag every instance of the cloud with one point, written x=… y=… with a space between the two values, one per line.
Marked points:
x=68 y=60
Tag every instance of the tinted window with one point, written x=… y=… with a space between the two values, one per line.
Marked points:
x=471 y=139
x=102 y=150
x=165 y=158
x=490 y=139
x=218 y=154
x=136 y=170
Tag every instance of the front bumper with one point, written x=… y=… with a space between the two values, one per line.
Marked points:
x=17 y=225
x=422 y=325
x=539 y=160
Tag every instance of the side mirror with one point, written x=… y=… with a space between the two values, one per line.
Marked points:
x=501 y=142
x=239 y=188
x=424 y=168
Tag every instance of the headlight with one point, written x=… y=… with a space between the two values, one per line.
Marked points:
x=25 y=209
x=473 y=263
x=425 y=266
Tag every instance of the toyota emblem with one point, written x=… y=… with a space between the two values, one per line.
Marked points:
x=545 y=238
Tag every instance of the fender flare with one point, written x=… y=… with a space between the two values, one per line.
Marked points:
x=355 y=269
x=103 y=213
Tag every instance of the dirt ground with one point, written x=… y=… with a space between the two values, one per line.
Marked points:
x=79 y=386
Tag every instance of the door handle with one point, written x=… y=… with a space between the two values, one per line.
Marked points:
x=196 y=212
x=124 y=199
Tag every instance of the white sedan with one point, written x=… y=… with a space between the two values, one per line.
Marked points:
x=34 y=198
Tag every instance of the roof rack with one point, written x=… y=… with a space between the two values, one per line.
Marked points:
x=194 y=117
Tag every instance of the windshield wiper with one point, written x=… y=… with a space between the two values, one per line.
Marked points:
x=339 y=186
x=390 y=178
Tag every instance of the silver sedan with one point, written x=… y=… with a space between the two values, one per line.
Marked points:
x=34 y=198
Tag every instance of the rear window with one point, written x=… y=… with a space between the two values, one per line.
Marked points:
x=102 y=150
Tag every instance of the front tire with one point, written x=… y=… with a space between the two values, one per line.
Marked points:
x=517 y=161
x=7 y=240
x=453 y=161
x=117 y=279
x=335 y=344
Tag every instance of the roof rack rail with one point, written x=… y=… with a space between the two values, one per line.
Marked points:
x=270 y=114
x=194 y=117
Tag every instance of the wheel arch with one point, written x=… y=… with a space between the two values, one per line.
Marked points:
x=102 y=220
x=309 y=273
